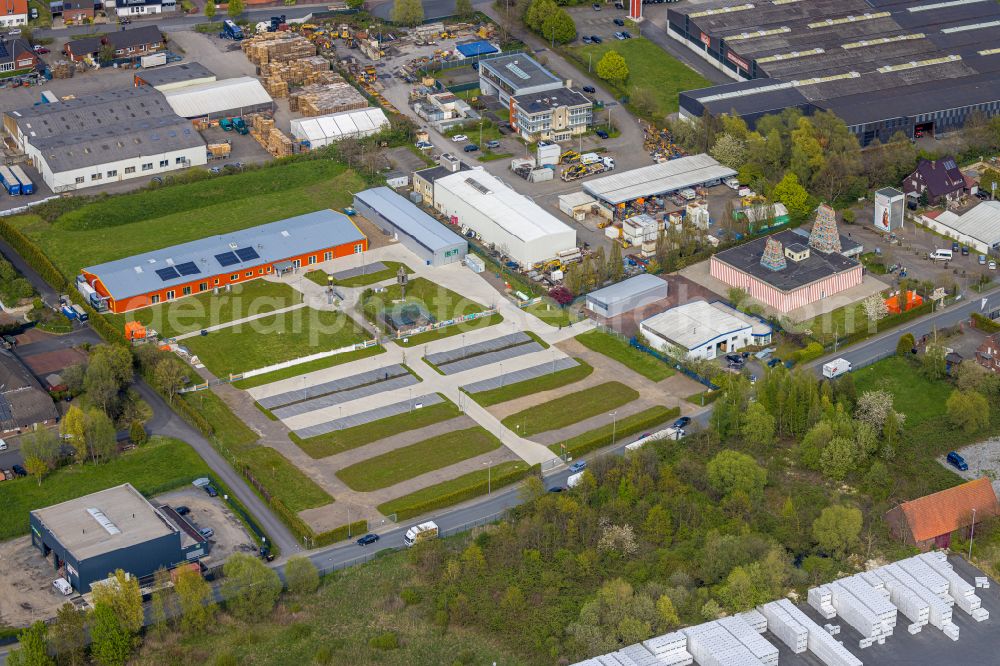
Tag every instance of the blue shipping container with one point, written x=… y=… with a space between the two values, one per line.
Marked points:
x=27 y=187
x=9 y=181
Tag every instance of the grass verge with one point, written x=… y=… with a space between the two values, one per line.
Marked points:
x=614 y=348
x=339 y=441
x=272 y=469
x=455 y=490
x=311 y=366
x=570 y=408
x=601 y=437
x=913 y=394
x=389 y=272
x=411 y=461
x=703 y=398
x=547 y=382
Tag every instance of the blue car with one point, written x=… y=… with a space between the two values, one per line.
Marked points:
x=578 y=466
x=958 y=462
x=682 y=421
x=601 y=133
x=367 y=540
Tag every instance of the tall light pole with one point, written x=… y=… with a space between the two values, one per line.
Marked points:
x=614 y=425
x=972 y=534
x=489 y=477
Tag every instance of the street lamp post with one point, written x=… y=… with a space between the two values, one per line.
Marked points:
x=972 y=534
x=489 y=477
x=614 y=426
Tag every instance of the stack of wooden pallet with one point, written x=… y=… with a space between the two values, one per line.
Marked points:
x=63 y=69
x=278 y=76
x=272 y=47
x=270 y=137
x=323 y=99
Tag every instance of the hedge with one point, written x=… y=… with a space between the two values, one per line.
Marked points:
x=301 y=529
x=985 y=324
x=469 y=492
x=601 y=437
x=811 y=351
x=887 y=323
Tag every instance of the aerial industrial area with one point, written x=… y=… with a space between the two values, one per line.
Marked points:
x=440 y=332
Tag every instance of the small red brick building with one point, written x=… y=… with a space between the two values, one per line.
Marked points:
x=927 y=522
x=210 y=263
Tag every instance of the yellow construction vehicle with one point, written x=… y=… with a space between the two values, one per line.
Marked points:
x=345 y=31
x=553 y=265
x=569 y=157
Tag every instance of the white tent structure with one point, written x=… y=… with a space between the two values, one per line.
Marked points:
x=320 y=131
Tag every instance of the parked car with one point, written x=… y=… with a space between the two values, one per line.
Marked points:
x=556 y=489
x=578 y=466
x=367 y=540
x=627 y=34
x=596 y=39
x=471 y=148
x=182 y=510
x=597 y=7
x=207 y=532
x=773 y=362
x=33 y=13
x=993 y=266
x=39 y=49
x=954 y=247
x=957 y=461
x=459 y=138
x=619 y=36
x=211 y=490
x=19 y=471
x=587 y=40
x=601 y=133
x=620 y=22
x=965 y=251
x=982 y=260
x=589 y=89
x=682 y=422
x=3 y=445
x=492 y=144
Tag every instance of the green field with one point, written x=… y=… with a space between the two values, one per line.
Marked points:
x=613 y=432
x=274 y=339
x=139 y=222
x=156 y=467
x=194 y=313
x=547 y=382
x=919 y=398
x=648 y=366
x=390 y=270
x=552 y=313
x=650 y=68
x=338 y=441
x=311 y=366
x=395 y=466
x=228 y=430
x=570 y=408
x=454 y=490
x=295 y=489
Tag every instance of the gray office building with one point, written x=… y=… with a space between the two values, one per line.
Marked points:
x=420 y=233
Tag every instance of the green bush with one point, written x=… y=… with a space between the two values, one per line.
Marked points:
x=411 y=596
x=812 y=351
x=906 y=344
x=385 y=641
x=985 y=324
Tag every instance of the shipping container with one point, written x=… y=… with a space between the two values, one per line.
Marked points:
x=27 y=187
x=9 y=181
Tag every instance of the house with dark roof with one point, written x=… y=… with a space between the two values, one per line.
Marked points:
x=16 y=55
x=133 y=43
x=941 y=180
x=23 y=402
x=988 y=353
x=423 y=180
x=927 y=522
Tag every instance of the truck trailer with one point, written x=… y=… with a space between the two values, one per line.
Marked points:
x=9 y=181
x=27 y=187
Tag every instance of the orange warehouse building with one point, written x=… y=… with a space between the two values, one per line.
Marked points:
x=202 y=265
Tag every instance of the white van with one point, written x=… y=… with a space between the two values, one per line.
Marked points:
x=940 y=255
x=62 y=586
x=688 y=194
x=421 y=532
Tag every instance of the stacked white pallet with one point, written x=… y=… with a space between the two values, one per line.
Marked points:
x=906 y=600
x=827 y=648
x=876 y=599
x=789 y=631
x=712 y=645
x=821 y=600
x=961 y=591
x=855 y=613
x=751 y=640
x=939 y=610
x=927 y=577
x=670 y=649
x=637 y=655
x=874 y=582
x=755 y=620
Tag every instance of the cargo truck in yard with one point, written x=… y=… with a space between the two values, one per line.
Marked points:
x=421 y=532
x=836 y=368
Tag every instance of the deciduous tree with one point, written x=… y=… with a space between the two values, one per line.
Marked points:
x=111 y=643
x=906 y=344
x=210 y=9
x=408 y=12
x=463 y=8
x=250 y=587
x=793 y=195
x=195 y=599
x=731 y=471
x=758 y=425
x=301 y=575
x=837 y=528
x=68 y=636
x=730 y=151
x=875 y=309
x=74 y=428
x=101 y=436
x=612 y=67
x=559 y=27
x=235 y=8
x=163 y=604
x=32 y=649
x=968 y=410
x=170 y=376
x=41 y=451
x=121 y=594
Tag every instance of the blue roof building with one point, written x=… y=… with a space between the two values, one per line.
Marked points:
x=420 y=233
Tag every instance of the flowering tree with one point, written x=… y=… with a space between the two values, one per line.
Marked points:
x=875 y=309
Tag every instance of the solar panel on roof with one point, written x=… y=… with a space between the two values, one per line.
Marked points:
x=227 y=259
x=168 y=273
x=188 y=268
x=5 y=413
x=3 y=50
x=247 y=253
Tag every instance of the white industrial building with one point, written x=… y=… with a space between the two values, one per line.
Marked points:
x=510 y=222
x=320 y=131
x=107 y=137
x=658 y=179
x=702 y=330
x=229 y=97
x=978 y=228
x=627 y=295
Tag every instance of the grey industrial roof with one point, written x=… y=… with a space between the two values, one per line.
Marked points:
x=120 y=39
x=796 y=274
x=135 y=275
x=620 y=291
x=550 y=99
x=130 y=520
x=698 y=322
x=519 y=70
x=889 y=192
x=217 y=96
x=657 y=179
x=981 y=223
x=433 y=173
x=91 y=112
x=403 y=214
x=188 y=71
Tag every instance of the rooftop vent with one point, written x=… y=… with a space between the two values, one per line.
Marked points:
x=105 y=522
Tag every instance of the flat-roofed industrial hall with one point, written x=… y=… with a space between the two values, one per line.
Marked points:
x=883 y=66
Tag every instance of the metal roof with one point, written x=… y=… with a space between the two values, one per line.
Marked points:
x=516 y=213
x=519 y=70
x=476 y=48
x=981 y=223
x=634 y=286
x=697 y=323
x=105 y=521
x=226 y=253
x=165 y=76
x=91 y=112
x=218 y=96
x=796 y=274
x=335 y=126
x=657 y=179
x=411 y=220
x=539 y=102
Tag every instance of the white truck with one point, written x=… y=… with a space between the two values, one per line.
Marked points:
x=836 y=368
x=574 y=479
x=669 y=433
x=421 y=532
x=732 y=183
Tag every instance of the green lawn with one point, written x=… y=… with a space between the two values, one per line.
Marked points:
x=919 y=398
x=448 y=331
x=156 y=467
x=552 y=314
x=570 y=408
x=536 y=385
x=329 y=444
x=703 y=398
x=228 y=430
x=609 y=433
x=197 y=312
x=137 y=222
x=395 y=466
x=295 y=489
x=390 y=271
x=650 y=68
x=454 y=490
x=274 y=339
x=311 y=366
x=615 y=348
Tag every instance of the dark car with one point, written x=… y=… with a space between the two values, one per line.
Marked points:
x=471 y=148
x=602 y=134
x=578 y=466
x=589 y=89
x=773 y=362
x=367 y=540
x=597 y=7
x=626 y=34
x=619 y=22
x=587 y=39
x=682 y=421
x=957 y=461
x=965 y=251
x=954 y=247
x=556 y=489
x=20 y=471
x=211 y=490
x=596 y=39
x=182 y=510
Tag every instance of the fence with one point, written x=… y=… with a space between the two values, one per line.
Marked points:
x=442 y=324
x=455 y=64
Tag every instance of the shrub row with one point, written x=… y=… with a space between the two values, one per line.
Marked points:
x=985 y=324
x=601 y=437
x=466 y=493
x=811 y=351
x=32 y=254
x=301 y=529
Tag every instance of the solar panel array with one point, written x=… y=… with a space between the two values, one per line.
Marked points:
x=247 y=253
x=168 y=273
x=188 y=268
x=227 y=259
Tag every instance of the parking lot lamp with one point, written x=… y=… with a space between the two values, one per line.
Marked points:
x=614 y=425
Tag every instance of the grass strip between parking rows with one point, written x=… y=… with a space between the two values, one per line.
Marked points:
x=619 y=350
x=547 y=382
x=600 y=437
x=570 y=408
